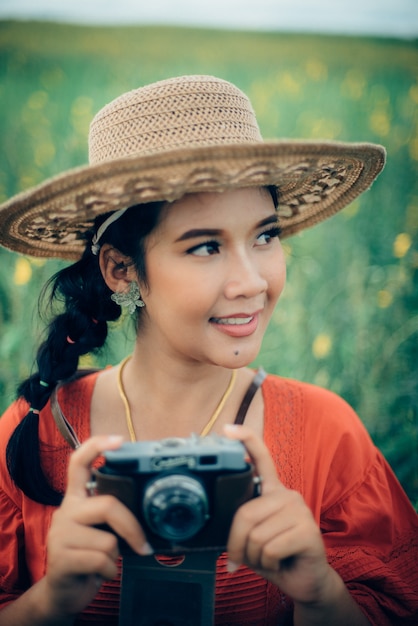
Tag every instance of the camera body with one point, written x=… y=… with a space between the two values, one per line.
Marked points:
x=184 y=492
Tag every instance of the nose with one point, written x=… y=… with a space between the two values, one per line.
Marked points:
x=244 y=278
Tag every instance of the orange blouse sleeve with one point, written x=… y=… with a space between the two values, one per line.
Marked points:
x=14 y=575
x=369 y=527
x=24 y=524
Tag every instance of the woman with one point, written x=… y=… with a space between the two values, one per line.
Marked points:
x=177 y=219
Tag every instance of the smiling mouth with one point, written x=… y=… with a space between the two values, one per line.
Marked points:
x=238 y=325
x=232 y=321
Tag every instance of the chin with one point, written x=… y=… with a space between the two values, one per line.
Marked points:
x=238 y=357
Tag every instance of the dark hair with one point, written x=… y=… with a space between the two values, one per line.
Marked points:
x=80 y=328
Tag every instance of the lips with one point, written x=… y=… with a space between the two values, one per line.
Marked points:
x=237 y=325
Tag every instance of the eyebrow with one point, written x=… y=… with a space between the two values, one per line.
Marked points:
x=216 y=232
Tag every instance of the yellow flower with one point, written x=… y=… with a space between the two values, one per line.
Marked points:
x=413 y=93
x=44 y=153
x=380 y=123
x=81 y=114
x=401 y=245
x=384 y=298
x=352 y=209
x=413 y=149
x=23 y=272
x=37 y=100
x=87 y=360
x=353 y=85
x=321 y=346
x=316 y=70
x=289 y=84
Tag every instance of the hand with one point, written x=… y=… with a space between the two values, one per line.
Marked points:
x=276 y=534
x=80 y=556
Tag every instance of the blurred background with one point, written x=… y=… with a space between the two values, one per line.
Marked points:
x=347 y=70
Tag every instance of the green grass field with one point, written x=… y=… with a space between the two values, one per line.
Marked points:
x=349 y=317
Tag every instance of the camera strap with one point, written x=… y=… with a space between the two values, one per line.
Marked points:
x=256 y=382
x=157 y=593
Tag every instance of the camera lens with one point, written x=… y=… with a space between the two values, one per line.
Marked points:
x=175 y=506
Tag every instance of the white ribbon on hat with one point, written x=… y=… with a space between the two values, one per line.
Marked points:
x=96 y=238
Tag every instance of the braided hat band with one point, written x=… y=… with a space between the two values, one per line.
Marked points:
x=179 y=136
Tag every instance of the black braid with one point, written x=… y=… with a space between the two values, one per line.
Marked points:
x=79 y=328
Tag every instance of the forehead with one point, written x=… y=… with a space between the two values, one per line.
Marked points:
x=217 y=208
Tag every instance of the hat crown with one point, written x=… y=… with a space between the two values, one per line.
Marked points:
x=182 y=112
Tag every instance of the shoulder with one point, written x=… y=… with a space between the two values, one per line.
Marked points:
x=74 y=398
x=315 y=406
x=275 y=387
x=317 y=437
x=79 y=389
x=11 y=418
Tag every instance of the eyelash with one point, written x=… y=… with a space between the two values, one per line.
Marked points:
x=272 y=233
x=215 y=245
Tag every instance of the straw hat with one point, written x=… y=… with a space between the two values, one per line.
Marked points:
x=177 y=136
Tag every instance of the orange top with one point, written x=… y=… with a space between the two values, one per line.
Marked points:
x=320 y=448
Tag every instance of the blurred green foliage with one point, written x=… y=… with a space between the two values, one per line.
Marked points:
x=348 y=319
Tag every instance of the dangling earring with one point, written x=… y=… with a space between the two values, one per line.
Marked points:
x=129 y=299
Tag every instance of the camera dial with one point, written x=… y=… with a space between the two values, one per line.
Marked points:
x=175 y=506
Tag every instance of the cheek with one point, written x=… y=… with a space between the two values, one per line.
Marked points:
x=277 y=276
x=180 y=295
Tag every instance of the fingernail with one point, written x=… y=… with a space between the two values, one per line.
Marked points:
x=115 y=439
x=145 y=549
x=231 y=428
x=112 y=442
x=231 y=566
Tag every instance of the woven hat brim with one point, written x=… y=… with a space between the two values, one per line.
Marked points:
x=315 y=181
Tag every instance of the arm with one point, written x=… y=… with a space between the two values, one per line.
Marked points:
x=339 y=608
x=277 y=536
x=32 y=609
x=80 y=556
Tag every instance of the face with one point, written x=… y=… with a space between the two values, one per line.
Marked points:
x=215 y=269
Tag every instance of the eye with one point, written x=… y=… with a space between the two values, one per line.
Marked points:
x=207 y=248
x=267 y=236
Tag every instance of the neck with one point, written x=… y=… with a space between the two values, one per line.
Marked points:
x=174 y=399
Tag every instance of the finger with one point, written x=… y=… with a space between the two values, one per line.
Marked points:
x=279 y=527
x=259 y=454
x=277 y=539
x=100 y=510
x=89 y=562
x=249 y=523
x=281 y=550
x=79 y=468
x=87 y=538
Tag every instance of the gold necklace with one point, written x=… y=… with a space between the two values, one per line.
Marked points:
x=205 y=430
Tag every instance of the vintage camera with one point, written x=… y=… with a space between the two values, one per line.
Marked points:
x=184 y=492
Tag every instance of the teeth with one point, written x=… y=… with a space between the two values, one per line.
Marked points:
x=233 y=321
